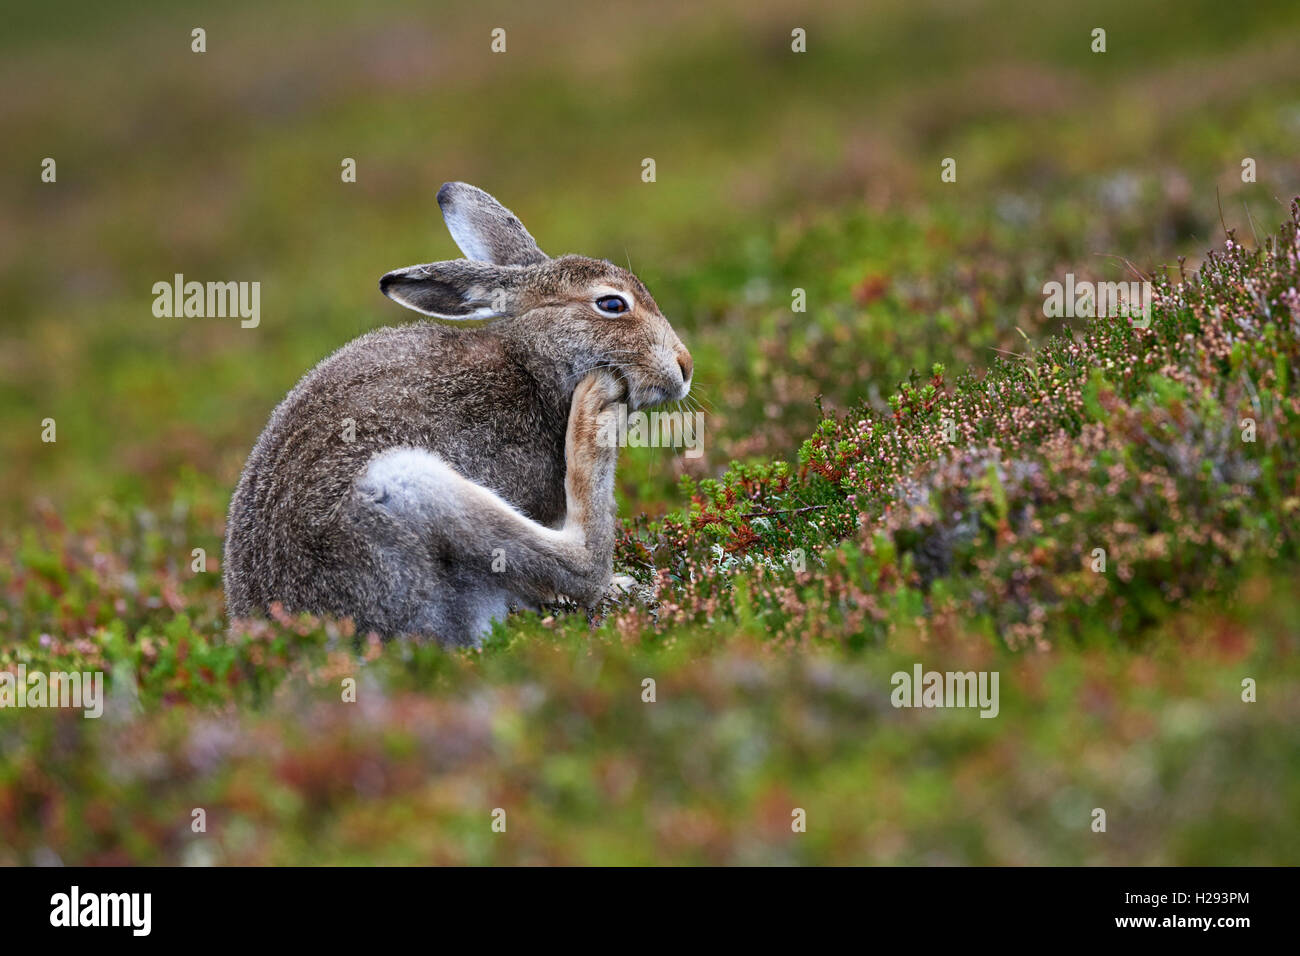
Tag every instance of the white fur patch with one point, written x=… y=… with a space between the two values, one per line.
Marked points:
x=418 y=483
x=407 y=479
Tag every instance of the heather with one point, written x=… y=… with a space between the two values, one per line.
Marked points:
x=1082 y=489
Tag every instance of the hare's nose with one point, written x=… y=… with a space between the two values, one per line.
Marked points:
x=686 y=365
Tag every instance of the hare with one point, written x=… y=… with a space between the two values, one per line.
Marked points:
x=427 y=479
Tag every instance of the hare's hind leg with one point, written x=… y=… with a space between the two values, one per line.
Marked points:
x=481 y=550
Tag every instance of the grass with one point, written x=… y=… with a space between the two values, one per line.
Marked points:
x=920 y=467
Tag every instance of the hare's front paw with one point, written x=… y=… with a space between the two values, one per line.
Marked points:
x=598 y=391
x=593 y=419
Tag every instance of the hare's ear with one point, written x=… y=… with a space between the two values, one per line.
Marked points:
x=458 y=289
x=485 y=230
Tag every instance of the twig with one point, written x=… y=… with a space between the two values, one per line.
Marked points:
x=1251 y=220
x=787 y=511
x=1132 y=268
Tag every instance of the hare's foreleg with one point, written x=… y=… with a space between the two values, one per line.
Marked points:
x=589 y=467
x=577 y=560
x=489 y=549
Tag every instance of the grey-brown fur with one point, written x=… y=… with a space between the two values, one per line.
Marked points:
x=472 y=444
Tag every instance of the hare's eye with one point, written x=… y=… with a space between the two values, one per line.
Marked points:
x=612 y=304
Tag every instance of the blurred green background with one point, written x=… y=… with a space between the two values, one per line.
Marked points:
x=775 y=171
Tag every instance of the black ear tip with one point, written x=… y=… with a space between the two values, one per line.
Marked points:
x=444 y=194
x=385 y=283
